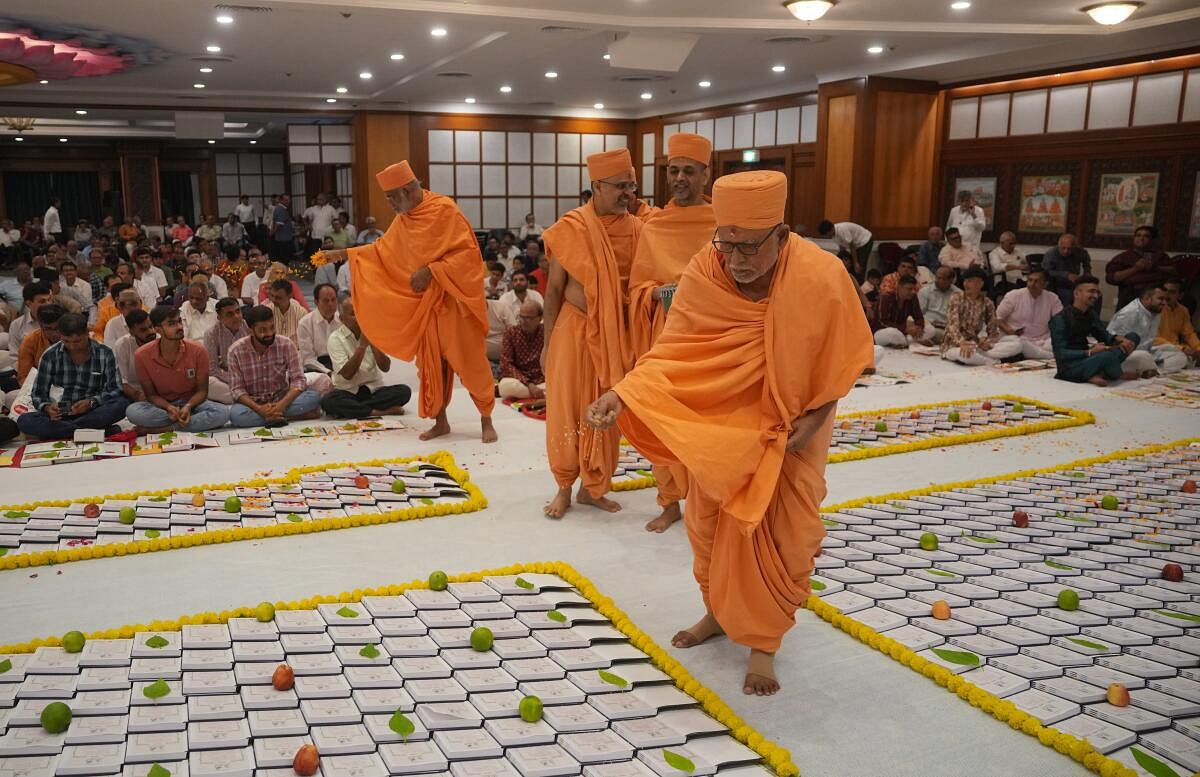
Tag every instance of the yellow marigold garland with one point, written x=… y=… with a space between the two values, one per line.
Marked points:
x=778 y=758
x=1079 y=750
x=475 y=501
x=318 y=259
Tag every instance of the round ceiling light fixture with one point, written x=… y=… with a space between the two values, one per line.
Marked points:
x=551 y=74
x=809 y=10
x=224 y=19
x=1109 y=14
x=647 y=96
x=704 y=84
x=438 y=32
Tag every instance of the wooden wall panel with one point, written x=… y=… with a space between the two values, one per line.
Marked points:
x=839 y=157
x=805 y=211
x=902 y=179
x=380 y=139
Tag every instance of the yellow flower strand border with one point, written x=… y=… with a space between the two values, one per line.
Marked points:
x=475 y=501
x=775 y=756
x=1076 y=418
x=1080 y=750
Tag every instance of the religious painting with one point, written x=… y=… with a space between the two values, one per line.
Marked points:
x=1126 y=202
x=1044 y=202
x=1194 y=223
x=984 y=192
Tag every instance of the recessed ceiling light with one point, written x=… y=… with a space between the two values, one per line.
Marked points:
x=551 y=74
x=808 y=10
x=875 y=49
x=364 y=75
x=81 y=112
x=505 y=89
x=598 y=106
x=607 y=57
x=1111 y=13
x=224 y=19
x=19 y=139
x=213 y=49
x=646 y=95
x=43 y=81
x=961 y=5
x=438 y=32
x=206 y=70
x=211 y=142
x=62 y=140
x=396 y=57
x=253 y=142
x=197 y=86
x=705 y=84
x=342 y=90
x=330 y=100
x=778 y=68
x=469 y=101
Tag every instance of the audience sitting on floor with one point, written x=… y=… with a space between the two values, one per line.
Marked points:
x=73 y=285
x=230 y=328
x=358 y=390
x=37 y=340
x=285 y=309
x=48 y=276
x=927 y=254
x=1026 y=313
x=279 y=272
x=1133 y=270
x=141 y=332
x=255 y=278
x=906 y=266
x=1066 y=262
x=1175 y=325
x=34 y=296
x=518 y=294
x=199 y=312
x=898 y=321
x=106 y=308
x=972 y=333
x=935 y=301
x=267 y=381
x=1142 y=317
x=1078 y=361
x=959 y=254
x=493 y=283
x=1007 y=265
x=521 y=375
x=173 y=373
x=312 y=333
x=128 y=301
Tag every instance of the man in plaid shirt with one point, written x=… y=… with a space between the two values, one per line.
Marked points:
x=77 y=386
x=266 y=379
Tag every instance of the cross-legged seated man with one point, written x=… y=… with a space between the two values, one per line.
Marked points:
x=358 y=390
x=972 y=334
x=899 y=322
x=935 y=300
x=1026 y=313
x=173 y=373
x=1077 y=361
x=1175 y=326
x=230 y=328
x=77 y=386
x=266 y=379
x=1142 y=317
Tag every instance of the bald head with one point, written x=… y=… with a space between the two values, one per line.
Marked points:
x=531 y=315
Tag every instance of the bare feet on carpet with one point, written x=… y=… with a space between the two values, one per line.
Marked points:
x=704 y=630
x=1098 y=380
x=670 y=514
x=559 y=505
x=489 y=431
x=440 y=427
x=604 y=503
x=760 y=675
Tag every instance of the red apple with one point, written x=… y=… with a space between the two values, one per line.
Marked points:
x=361 y=481
x=986 y=405
x=283 y=678
x=1172 y=572
x=1118 y=695
x=915 y=414
x=91 y=510
x=308 y=759
x=1189 y=487
x=1020 y=519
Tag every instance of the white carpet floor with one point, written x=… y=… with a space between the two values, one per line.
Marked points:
x=844 y=709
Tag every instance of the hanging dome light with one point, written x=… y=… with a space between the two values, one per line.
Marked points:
x=1111 y=13
x=809 y=10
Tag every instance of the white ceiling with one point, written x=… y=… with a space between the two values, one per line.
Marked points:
x=294 y=56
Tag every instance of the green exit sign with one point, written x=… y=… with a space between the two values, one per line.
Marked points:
x=750 y=156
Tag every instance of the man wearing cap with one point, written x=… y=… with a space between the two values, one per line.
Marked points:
x=741 y=388
x=418 y=295
x=591 y=250
x=670 y=238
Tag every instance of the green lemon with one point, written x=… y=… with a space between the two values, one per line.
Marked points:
x=953 y=416
x=233 y=504
x=56 y=716
x=1109 y=502
x=264 y=612
x=481 y=639
x=398 y=486
x=1068 y=599
x=1018 y=408
x=929 y=541
x=531 y=709
x=73 y=641
x=881 y=426
x=438 y=581
x=127 y=515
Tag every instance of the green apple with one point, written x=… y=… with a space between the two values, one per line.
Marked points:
x=953 y=417
x=73 y=641
x=881 y=426
x=929 y=541
x=264 y=612
x=233 y=504
x=127 y=515
x=56 y=717
x=398 y=486
x=481 y=639
x=531 y=709
x=1109 y=502
x=1068 y=600
x=438 y=581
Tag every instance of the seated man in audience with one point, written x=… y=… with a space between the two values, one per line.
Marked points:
x=279 y=271
x=935 y=301
x=72 y=285
x=173 y=373
x=521 y=375
x=515 y=298
x=266 y=379
x=315 y=327
x=77 y=386
x=141 y=332
x=127 y=301
x=285 y=309
x=358 y=390
x=1007 y=264
x=255 y=278
x=370 y=233
x=899 y=322
x=50 y=277
x=928 y=254
x=37 y=341
x=1069 y=332
x=1142 y=317
x=1066 y=262
x=493 y=283
x=958 y=254
x=230 y=328
x=207 y=264
x=34 y=295
x=1141 y=266
x=1175 y=326
x=906 y=266
x=972 y=332
x=199 y=313
x=1026 y=313
x=106 y=309
x=871 y=284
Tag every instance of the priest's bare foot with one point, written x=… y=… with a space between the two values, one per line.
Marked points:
x=605 y=504
x=559 y=504
x=704 y=630
x=670 y=514
x=489 y=431
x=760 y=675
x=440 y=427
x=1098 y=380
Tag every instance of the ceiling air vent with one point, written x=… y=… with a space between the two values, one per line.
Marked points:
x=639 y=79
x=211 y=59
x=563 y=28
x=453 y=74
x=797 y=39
x=242 y=8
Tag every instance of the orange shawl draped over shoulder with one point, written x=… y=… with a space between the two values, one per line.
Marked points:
x=402 y=322
x=723 y=383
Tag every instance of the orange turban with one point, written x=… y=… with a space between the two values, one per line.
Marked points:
x=609 y=164
x=395 y=176
x=685 y=144
x=751 y=200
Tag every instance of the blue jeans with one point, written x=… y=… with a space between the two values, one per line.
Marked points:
x=304 y=403
x=205 y=416
x=38 y=424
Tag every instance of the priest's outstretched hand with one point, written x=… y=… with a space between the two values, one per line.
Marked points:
x=603 y=413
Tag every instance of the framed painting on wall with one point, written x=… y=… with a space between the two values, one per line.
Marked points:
x=1045 y=203
x=1126 y=202
x=984 y=192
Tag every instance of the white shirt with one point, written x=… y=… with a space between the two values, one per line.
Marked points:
x=970 y=225
x=250 y=285
x=195 y=323
x=935 y=302
x=147 y=288
x=81 y=292
x=10 y=237
x=341 y=345
x=1134 y=317
x=114 y=330
x=999 y=260
x=850 y=236
x=510 y=306
x=124 y=349
x=343 y=278
x=21 y=326
x=245 y=213
x=160 y=277
x=528 y=231
x=368 y=236
x=220 y=286
x=50 y=222
x=312 y=338
x=321 y=218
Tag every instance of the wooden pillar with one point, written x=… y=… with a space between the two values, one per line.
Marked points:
x=380 y=139
x=139 y=181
